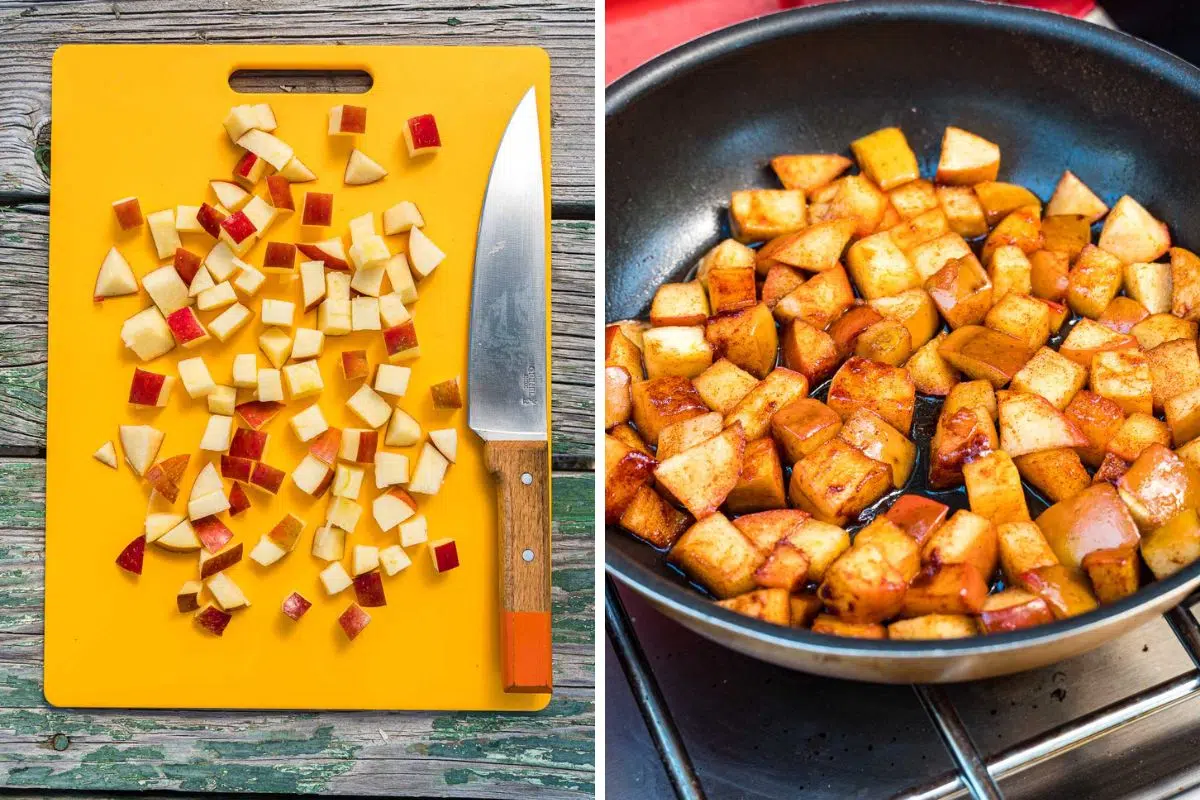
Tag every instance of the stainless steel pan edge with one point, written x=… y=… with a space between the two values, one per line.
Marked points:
x=887 y=661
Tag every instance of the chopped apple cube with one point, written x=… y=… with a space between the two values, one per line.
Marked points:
x=166 y=289
x=235 y=468
x=303 y=379
x=222 y=400
x=187 y=219
x=309 y=343
x=358 y=445
x=311 y=476
x=188 y=597
x=347 y=481
x=130 y=559
x=391 y=379
x=414 y=532
x=333 y=317
x=279 y=189
x=429 y=472
x=261 y=215
x=444 y=553
x=400 y=275
x=421 y=135
x=364 y=314
x=392 y=310
x=347 y=120
x=194 y=374
x=329 y=543
x=213 y=620
x=335 y=579
x=392 y=508
x=230 y=195
x=187 y=328
x=150 y=388
x=369 y=406
x=222 y=262
x=128 y=212
x=353 y=620
x=270 y=386
x=214 y=563
x=249 y=280
x=295 y=606
x=227 y=593
x=247 y=443
x=277 y=312
x=318 y=210
x=296 y=172
x=146 y=333
x=187 y=264
x=354 y=364
x=286 y=532
x=401 y=342
x=267 y=478
x=403 y=431
x=106 y=454
x=309 y=423
x=208 y=218
x=162 y=229
x=206 y=482
x=217 y=433
x=276 y=346
x=446 y=441
x=446 y=394
x=325 y=447
x=180 y=539
x=423 y=254
x=393 y=559
x=159 y=524
x=370 y=253
x=365 y=558
x=330 y=252
x=206 y=506
x=362 y=169
x=368 y=280
x=245 y=370
x=241 y=119
x=390 y=469
x=249 y=170
x=344 y=513
x=337 y=286
x=402 y=217
x=164 y=476
x=230 y=320
x=115 y=277
x=266 y=552
x=267 y=147
x=219 y=296
x=312 y=283
x=201 y=281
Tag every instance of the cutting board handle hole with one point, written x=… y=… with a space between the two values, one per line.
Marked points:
x=300 y=81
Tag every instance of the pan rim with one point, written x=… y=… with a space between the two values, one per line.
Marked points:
x=676 y=64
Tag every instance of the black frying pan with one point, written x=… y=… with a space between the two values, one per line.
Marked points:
x=701 y=121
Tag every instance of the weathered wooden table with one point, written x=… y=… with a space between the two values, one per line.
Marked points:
x=46 y=751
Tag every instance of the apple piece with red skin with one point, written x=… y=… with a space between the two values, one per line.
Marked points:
x=295 y=606
x=279 y=189
x=347 y=120
x=331 y=252
x=354 y=364
x=166 y=474
x=133 y=555
x=368 y=590
x=267 y=478
x=249 y=169
x=249 y=444
x=446 y=394
x=444 y=553
x=187 y=264
x=187 y=328
x=239 y=227
x=353 y=620
x=150 y=388
x=236 y=469
x=257 y=413
x=421 y=135
x=210 y=218
x=238 y=500
x=359 y=445
x=280 y=256
x=221 y=561
x=287 y=532
x=128 y=212
x=401 y=341
x=213 y=620
x=325 y=447
x=213 y=535
x=318 y=209
x=188 y=597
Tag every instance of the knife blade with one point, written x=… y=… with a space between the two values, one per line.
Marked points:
x=506 y=391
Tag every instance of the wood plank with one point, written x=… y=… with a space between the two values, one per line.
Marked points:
x=24 y=244
x=454 y=755
x=31 y=32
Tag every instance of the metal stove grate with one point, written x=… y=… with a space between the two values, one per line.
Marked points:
x=975 y=776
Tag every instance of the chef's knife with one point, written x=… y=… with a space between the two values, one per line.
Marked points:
x=506 y=391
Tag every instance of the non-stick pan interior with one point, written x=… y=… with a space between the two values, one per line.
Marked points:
x=1055 y=94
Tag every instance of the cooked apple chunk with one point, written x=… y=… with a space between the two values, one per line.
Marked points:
x=917 y=516
x=852 y=197
x=900 y=549
x=1099 y=419
x=1029 y=423
x=966 y=158
x=648 y=516
x=1132 y=234
x=757 y=214
x=1010 y=271
x=1158 y=486
x=1185 y=284
x=625 y=471
x=722 y=386
x=1022 y=228
x=879 y=268
x=1124 y=377
x=837 y=481
x=660 y=401
x=924 y=227
x=984 y=354
x=863 y=586
x=885 y=157
x=1183 y=416
x=961 y=290
x=760 y=485
x=1122 y=314
x=1174 y=369
x=1058 y=474
x=884 y=389
x=818 y=301
x=1136 y=433
x=769 y=605
x=1173 y=546
x=1157 y=329
x=965 y=538
x=786 y=567
x=946 y=589
x=1051 y=376
x=931 y=374
x=994 y=488
x=999 y=199
x=816 y=248
x=1088 y=338
x=701 y=477
x=754 y=411
x=1013 y=610
x=960 y=437
x=870 y=433
x=802 y=426
x=676 y=350
x=731 y=289
x=747 y=337
x=718 y=556
x=929 y=257
x=1114 y=573
x=679 y=304
x=1094 y=519
x=1072 y=196
x=1065 y=590
x=964 y=212
x=809 y=171
x=685 y=434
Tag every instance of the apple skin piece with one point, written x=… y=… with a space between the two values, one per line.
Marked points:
x=236 y=469
x=421 y=135
x=318 y=210
x=353 y=620
x=249 y=170
x=238 y=500
x=140 y=444
x=221 y=561
x=393 y=508
x=446 y=394
x=150 y=388
x=115 y=277
x=368 y=590
x=256 y=413
x=188 y=597
x=280 y=256
x=132 y=556
x=128 y=212
x=295 y=606
x=106 y=454
x=287 y=532
x=238 y=227
x=361 y=169
x=165 y=475
x=251 y=444
x=213 y=620
x=187 y=264
x=209 y=218
x=187 y=328
x=444 y=553
x=271 y=149
x=267 y=478
x=346 y=120
x=280 y=191
x=354 y=364
x=401 y=342
x=331 y=252
x=359 y=445
x=213 y=535
x=326 y=446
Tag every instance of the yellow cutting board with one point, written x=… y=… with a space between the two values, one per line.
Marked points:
x=146 y=121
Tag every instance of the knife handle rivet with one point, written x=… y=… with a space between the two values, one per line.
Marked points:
x=527 y=555
x=526 y=479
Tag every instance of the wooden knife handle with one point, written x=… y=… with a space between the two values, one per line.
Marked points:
x=522 y=473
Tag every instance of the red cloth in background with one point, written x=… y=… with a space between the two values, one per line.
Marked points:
x=638 y=30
